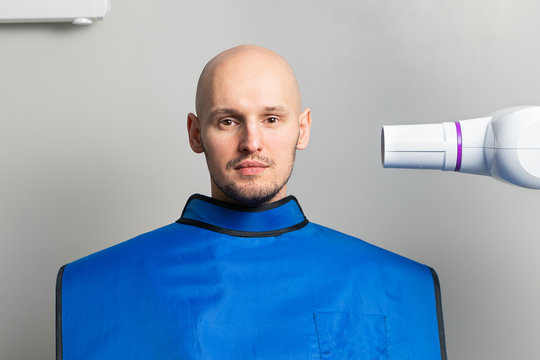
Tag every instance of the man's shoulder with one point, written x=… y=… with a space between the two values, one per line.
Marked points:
x=357 y=250
x=145 y=243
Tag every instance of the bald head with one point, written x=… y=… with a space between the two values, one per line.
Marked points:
x=242 y=67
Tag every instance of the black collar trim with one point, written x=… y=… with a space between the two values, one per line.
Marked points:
x=240 y=233
x=244 y=208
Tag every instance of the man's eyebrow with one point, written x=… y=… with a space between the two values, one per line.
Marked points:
x=278 y=108
x=223 y=111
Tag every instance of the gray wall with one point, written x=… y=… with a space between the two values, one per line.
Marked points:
x=93 y=147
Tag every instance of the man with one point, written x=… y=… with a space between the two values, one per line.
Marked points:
x=244 y=274
x=249 y=124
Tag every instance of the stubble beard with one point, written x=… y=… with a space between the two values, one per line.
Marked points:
x=250 y=194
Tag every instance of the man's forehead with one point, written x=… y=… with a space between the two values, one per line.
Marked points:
x=233 y=76
x=249 y=94
x=247 y=73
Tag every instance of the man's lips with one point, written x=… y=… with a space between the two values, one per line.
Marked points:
x=250 y=167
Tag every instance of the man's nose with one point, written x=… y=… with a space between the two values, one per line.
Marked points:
x=251 y=140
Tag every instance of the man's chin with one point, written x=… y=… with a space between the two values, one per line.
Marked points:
x=252 y=194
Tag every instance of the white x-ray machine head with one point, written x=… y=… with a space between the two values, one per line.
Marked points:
x=505 y=145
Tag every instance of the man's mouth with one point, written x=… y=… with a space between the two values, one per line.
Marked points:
x=250 y=167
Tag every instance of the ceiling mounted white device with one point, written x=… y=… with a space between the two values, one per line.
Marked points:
x=78 y=12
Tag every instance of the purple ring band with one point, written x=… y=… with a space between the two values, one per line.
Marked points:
x=459 y=146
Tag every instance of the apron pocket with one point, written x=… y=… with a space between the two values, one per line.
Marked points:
x=344 y=335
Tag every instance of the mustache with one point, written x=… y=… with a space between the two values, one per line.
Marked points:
x=262 y=159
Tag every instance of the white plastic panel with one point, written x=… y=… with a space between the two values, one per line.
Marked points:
x=76 y=11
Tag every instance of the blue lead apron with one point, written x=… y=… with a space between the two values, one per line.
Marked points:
x=233 y=282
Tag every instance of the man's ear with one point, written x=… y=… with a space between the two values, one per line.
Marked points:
x=305 y=126
x=194 y=133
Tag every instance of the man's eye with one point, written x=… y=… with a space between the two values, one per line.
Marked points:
x=272 y=120
x=226 y=122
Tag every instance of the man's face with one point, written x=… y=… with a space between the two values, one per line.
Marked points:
x=250 y=129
